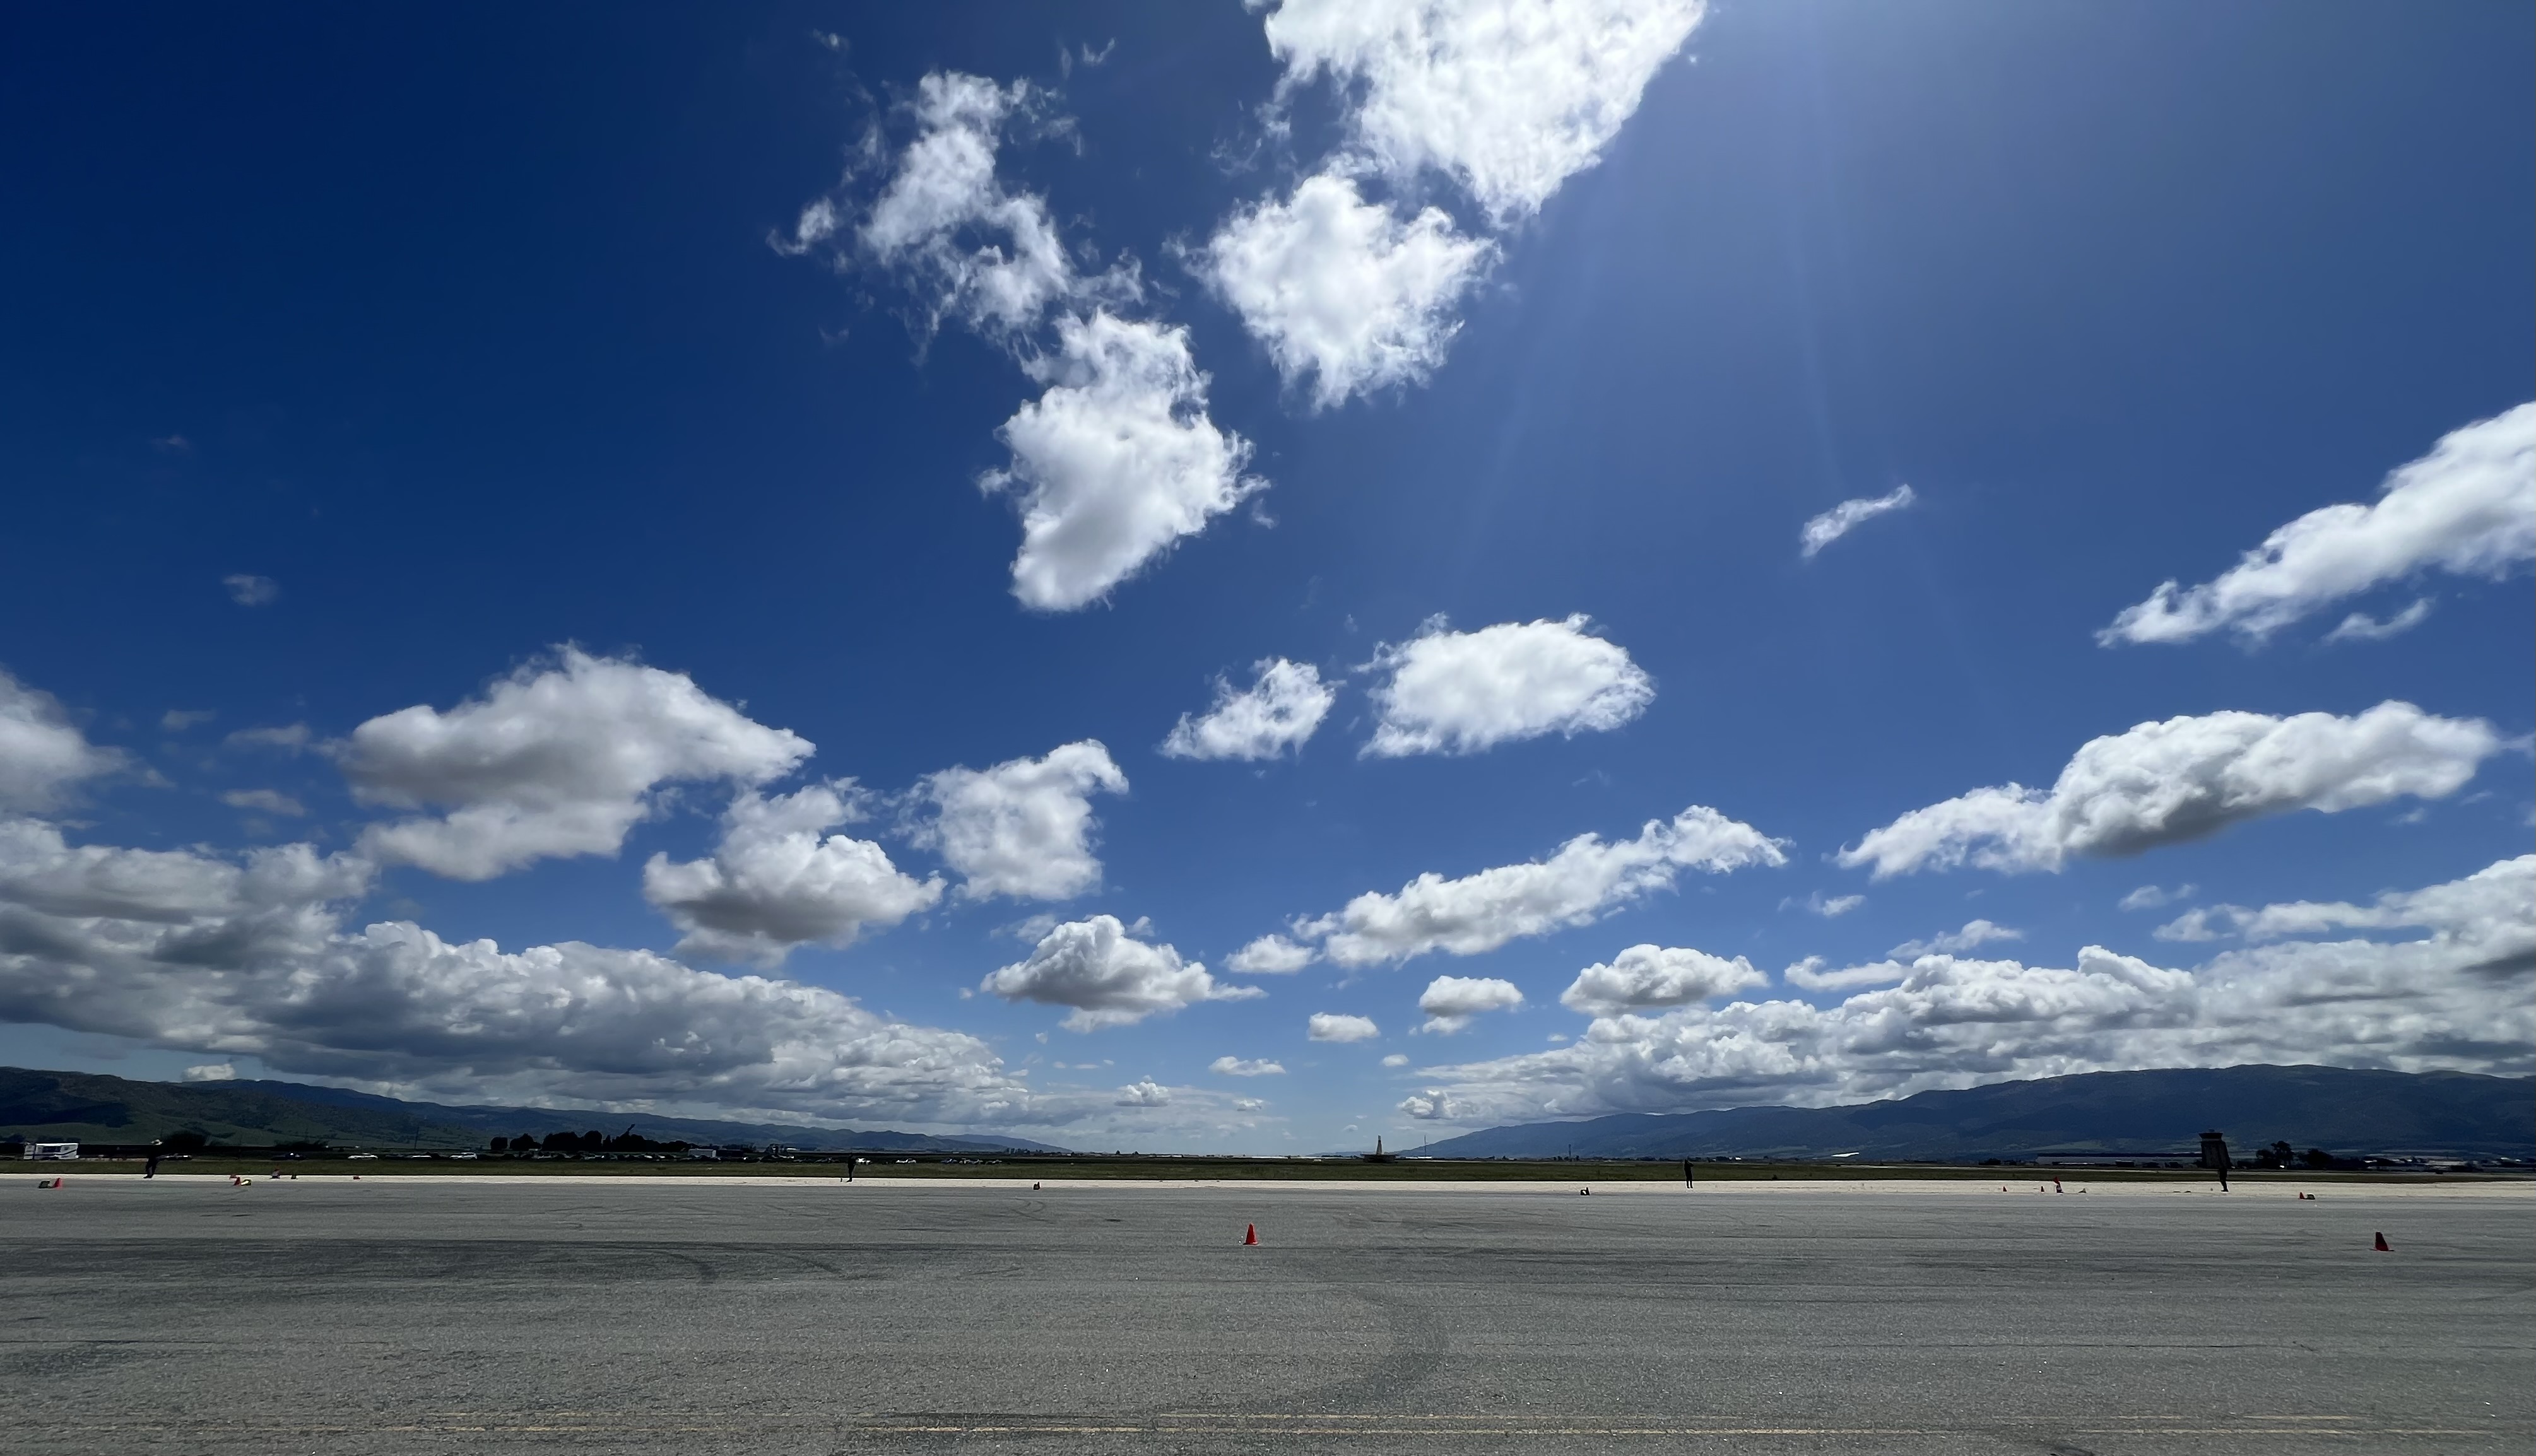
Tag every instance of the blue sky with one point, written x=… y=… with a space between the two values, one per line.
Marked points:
x=484 y=453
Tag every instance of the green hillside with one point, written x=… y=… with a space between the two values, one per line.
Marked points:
x=92 y=1109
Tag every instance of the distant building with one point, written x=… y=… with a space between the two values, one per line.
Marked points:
x=53 y=1152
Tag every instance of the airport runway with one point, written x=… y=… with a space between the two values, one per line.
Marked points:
x=535 y=1315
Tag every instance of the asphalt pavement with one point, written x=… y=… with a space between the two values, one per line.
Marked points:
x=397 y=1316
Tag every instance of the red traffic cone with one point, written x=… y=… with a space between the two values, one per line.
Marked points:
x=2381 y=1245
x=1250 y=1236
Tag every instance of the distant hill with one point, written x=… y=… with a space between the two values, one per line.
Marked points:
x=51 y=1106
x=2338 y=1109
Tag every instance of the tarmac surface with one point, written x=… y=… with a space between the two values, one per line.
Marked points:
x=415 y=1315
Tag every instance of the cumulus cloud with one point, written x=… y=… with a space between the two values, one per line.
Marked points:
x=1464 y=692
x=1023 y=827
x=1234 y=1067
x=1974 y=934
x=43 y=755
x=1433 y=1106
x=2481 y=899
x=1810 y=975
x=1396 y=1059
x=1346 y=296
x=1144 y=1092
x=1645 y=975
x=1116 y=462
x=987 y=255
x=219 y=1071
x=2456 y=997
x=1847 y=516
x=1331 y=1026
x=1352 y=295
x=558 y=759
x=1583 y=881
x=264 y=801
x=2468 y=507
x=252 y=590
x=2165 y=782
x=1107 y=976
x=777 y=880
x=2152 y=897
x=1281 y=709
x=2362 y=627
x=1271 y=955
x=1829 y=907
x=1510 y=97
x=1451 y=1001
x=246 y=956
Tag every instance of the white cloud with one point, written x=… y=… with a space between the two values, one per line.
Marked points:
x=1271 y=955
x=2165 y=782
x=1116 y=462
x=1974 y=935
x=1451 y=1001
x=1645 y=975
x=1283 y=706
x=43 y=754
x=2152 y=897
x=1396 y=1059
x=2468 y=507
x=264 y=801
x=1330 y=1025
x=1584 y=879
x=2362 y=627
x=2194 y=925
x=1346 y=297
x=1107 y=976
x=989 y=256
x=2456 y=998
x=1810 y=975
x=1829 y=907
x=1023 y=827
x=2481 y=899
x=555 y=760
x=775 y=881
x=1847 y=516
x=1509 y=96
x=1433 y=1106
x=245 y=956
x=252 y=590
x=1144 y=1092
x=1463 y=692
x=1234 y=1067
x=219 y=1071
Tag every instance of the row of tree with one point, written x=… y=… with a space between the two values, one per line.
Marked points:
x=594 y=1141
x=2282 y=1155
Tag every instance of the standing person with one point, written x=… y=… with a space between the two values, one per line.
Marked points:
x=1685 y=1174
x=150 y=1169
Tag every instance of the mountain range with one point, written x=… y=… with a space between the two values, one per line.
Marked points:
x=2340 y=1109
x=40 y=1105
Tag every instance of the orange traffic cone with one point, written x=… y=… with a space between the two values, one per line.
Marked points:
x=2381 y=1245
x=1250 y=1236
